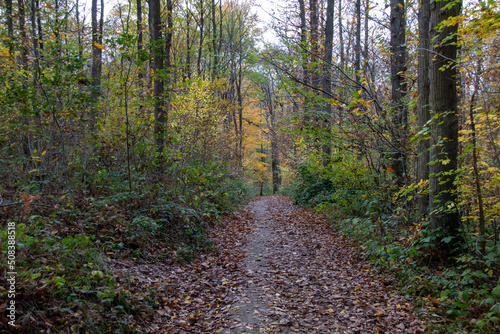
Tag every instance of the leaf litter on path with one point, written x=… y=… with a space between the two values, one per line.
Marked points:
x=278 y=268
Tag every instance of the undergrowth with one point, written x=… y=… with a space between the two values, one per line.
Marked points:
x=453 y=295
x=65 y=243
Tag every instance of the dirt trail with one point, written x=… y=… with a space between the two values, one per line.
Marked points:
x=302 y=278
x=278 y=268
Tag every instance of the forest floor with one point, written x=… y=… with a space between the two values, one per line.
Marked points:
x=275 y=268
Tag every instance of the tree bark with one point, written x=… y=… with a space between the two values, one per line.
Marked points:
x=327 y=86
x=399 y=87
x=158 y=85
x=140 y=74
x=357 y=48
x=10 y=24
x=97 y=27
x=423 y=115
x=215 y=63
x=200 y=44
x=443 y=192
x=341 y=37
x=23 y=60
x=303 y=41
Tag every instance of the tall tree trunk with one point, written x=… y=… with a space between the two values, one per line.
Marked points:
x=357 y=48
x=303 y=41
x=97 y=27
x=36 y=67
x=275 y=159
x=314 y=38
x=367 y=41
x=188 y=44
x=443 y=192
x=399 y=87
x=140 y=74
x=40 y=30
x=341 y=36
x=215 y=62
x=423 y=115
x=23 y=59
x=158 y=56
x=327 y=86
x=10 y=25
x=200 y=44
x=80 y=44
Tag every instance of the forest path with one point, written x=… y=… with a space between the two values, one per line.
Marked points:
x=303 y=278
x=279 y=268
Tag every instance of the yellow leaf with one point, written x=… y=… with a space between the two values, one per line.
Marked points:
x=7 y=85
x=330 y=310
x=43 y=153
x=99 y=46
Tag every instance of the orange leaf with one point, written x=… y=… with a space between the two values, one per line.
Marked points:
x=99 y=46
x=390 y=170
x=435 y=301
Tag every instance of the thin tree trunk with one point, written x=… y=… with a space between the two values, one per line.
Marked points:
x=188 y=44
x=303 y=42
x=10 y=25
x=97 y=27
x=40 y=30
x=423 y=115
x=357 y=48
x=482 y=229
x=80 y=44
x=327 y=86
x=215 y=62
x=140 y=74
x=24 y=49
x=399 y=87
x=341 y=37
x=200 y=44
x=158 y=56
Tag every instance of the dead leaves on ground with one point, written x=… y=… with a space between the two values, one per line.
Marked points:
x=308 y=280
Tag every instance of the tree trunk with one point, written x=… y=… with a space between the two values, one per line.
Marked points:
x=140 y=74
x=97 y=27
x=423 y=115
x=215 y=63
x=341 y=36
x=158 y=85
x=80 y=44
x=10 y=25
x=188 y=44
x=303 y=41
x=443 y=193
x=200 y=44
x=399 y=87
x=24 y=50
x=40 y=30
x=357 y=48
x=327 y=86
